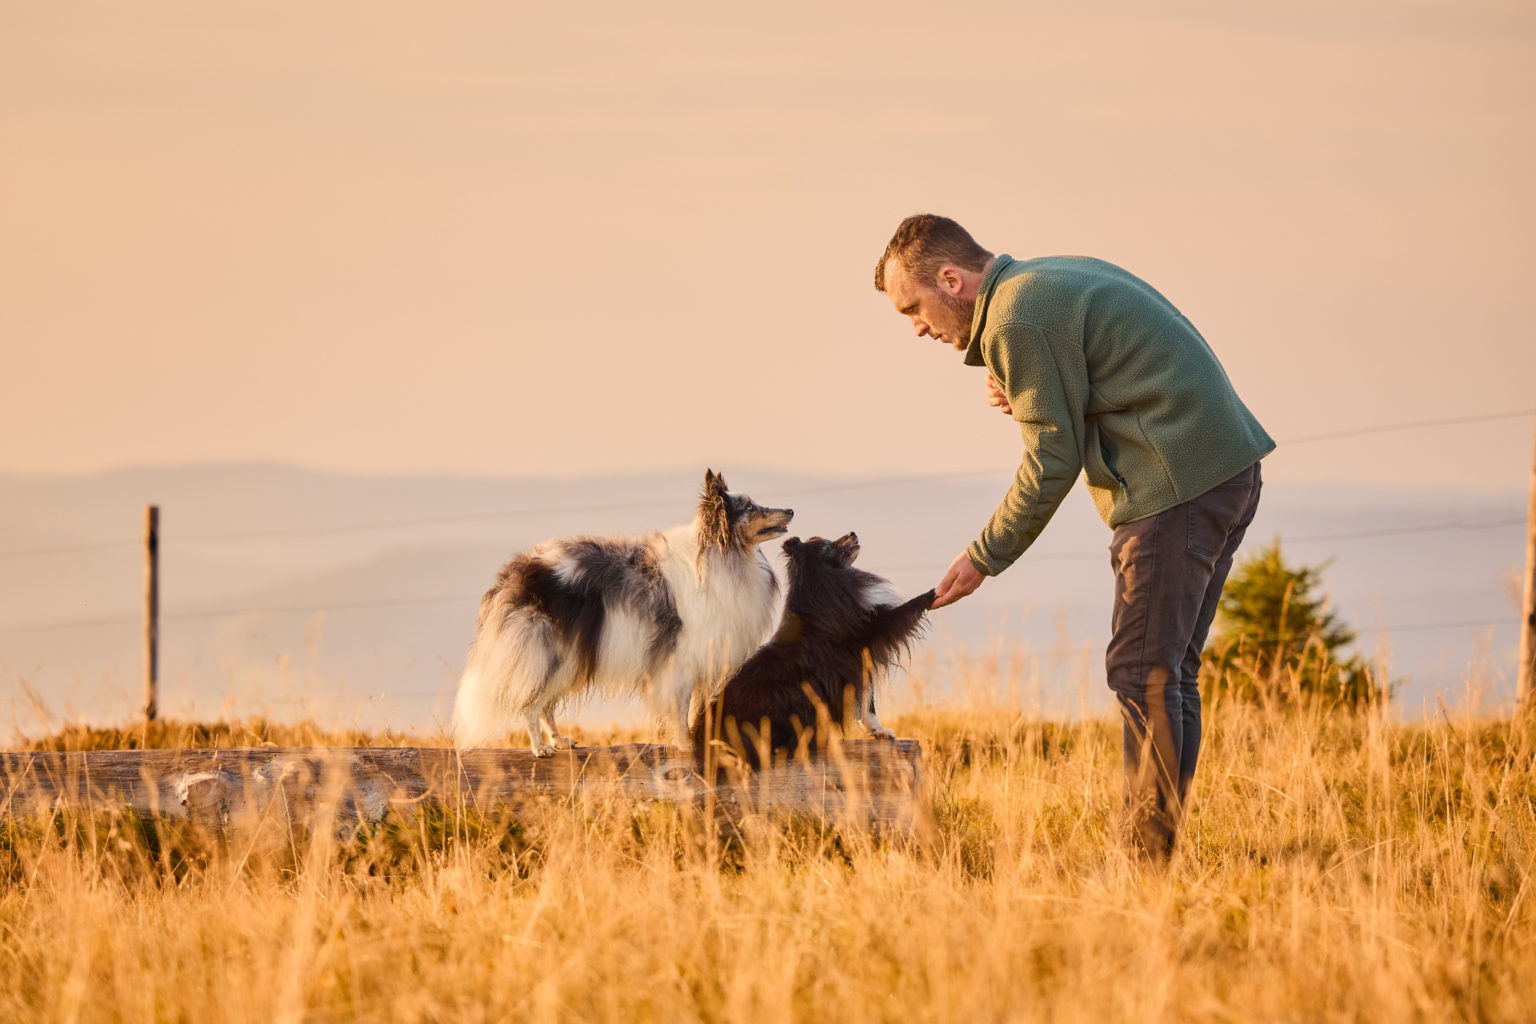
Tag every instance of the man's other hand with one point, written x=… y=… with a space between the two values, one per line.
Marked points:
x=961 y=579
x=996 y=397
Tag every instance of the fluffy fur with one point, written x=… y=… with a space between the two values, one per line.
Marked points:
x=667 y=614
x=842 y=629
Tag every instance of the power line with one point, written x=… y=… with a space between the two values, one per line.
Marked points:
x=803 y=491
x=49 y=627
x=237 y=613
x=234 y=613
x=1387 y=428
x=926 y=567
x=1402 y=531
x=396 y=524
x=1420 y=627
x=62 y=549
x=1054 y=556
x=393 y=524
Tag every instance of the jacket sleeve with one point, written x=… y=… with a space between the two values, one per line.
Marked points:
x=1046 y=381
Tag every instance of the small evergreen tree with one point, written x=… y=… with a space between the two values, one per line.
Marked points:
x=1275 y=637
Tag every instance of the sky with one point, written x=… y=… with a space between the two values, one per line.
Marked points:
x=574 y=240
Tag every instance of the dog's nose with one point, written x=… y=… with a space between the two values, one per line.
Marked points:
x=789 y=511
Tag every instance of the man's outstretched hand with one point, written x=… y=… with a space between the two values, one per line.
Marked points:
x=996 y=397
x=961 y=579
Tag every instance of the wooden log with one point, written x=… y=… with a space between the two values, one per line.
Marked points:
x=868 y=783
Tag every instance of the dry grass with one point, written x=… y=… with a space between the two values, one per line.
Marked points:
x=1335 y=867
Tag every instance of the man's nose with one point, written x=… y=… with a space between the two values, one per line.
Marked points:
x=920 y=327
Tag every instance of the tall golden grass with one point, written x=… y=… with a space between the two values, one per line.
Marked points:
x=1334 y=866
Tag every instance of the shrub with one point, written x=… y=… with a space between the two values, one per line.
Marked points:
x=1276 y=638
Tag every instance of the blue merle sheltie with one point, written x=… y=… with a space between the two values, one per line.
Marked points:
x=667 y=616
x=842 y=630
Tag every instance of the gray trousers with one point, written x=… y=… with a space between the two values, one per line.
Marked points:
x=1169 y=571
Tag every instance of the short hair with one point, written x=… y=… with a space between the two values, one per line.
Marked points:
x=925 y=243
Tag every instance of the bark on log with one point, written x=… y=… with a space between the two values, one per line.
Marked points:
x=868 y=783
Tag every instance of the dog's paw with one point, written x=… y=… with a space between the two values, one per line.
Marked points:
x=883 y=733
x=564 y=743
x=543 y=750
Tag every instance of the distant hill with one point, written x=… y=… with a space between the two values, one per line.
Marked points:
x=285 y=589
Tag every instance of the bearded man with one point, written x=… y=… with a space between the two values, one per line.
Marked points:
x=1105 y=377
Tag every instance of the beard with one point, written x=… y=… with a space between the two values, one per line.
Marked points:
x=958 y=314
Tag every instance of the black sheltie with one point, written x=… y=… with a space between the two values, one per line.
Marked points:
x=842 y=628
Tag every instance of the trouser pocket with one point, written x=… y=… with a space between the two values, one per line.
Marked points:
x=1211 y=517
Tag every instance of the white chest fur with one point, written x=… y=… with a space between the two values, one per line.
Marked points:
x=727 y=602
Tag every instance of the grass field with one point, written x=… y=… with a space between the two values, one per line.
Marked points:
x=1335 y=867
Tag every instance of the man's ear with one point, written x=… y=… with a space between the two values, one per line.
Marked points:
x=951 y=281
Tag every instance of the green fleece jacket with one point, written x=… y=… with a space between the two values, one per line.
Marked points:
x=1105 y=377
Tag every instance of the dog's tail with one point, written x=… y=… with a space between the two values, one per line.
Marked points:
x=891 y=631
x=478 y=718
x=510 y=669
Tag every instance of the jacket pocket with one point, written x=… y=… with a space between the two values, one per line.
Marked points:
x=1096 y=464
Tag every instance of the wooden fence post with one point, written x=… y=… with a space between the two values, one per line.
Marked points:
x=1525 y=689
x=151 y=611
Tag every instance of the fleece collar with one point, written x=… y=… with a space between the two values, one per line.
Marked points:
x=983 y=299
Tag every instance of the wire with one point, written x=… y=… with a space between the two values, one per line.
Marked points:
x=1420 y=627
x=235 y=613
x=1402 y=531
x=1413 y=425
x=49 y=627
x=803 y=491
x=1054 y=556
x=61 y=549
x=395 y=524
x=925 y=567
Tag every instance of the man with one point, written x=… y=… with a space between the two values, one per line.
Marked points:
x=1104 y=377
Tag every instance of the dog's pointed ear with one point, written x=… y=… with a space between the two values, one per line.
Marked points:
x=713 y=514
x=714 y=488
x=791 y=544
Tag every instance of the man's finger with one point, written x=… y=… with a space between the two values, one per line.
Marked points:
x=952 y=587
x=954 y=594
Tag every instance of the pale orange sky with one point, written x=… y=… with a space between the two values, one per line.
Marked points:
x=581 y=239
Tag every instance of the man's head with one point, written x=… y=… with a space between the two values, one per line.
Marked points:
x=931 y=270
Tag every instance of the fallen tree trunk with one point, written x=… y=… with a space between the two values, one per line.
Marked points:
x=868 y=783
